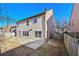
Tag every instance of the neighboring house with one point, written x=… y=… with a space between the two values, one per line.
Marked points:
x=67 y=28
x=39 y=26
x=1 y=31
x=74 y=21
x=10 y=30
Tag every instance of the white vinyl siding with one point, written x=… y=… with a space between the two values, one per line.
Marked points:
x=34 y=20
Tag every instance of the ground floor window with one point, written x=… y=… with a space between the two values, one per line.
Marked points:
x=25 y=33
x=38 y=34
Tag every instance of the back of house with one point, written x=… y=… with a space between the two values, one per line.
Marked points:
x=36 y=27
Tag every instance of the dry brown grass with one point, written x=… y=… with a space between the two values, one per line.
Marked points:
x=47 y=49
x=50 y=50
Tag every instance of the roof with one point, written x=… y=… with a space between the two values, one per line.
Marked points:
x=32 y=17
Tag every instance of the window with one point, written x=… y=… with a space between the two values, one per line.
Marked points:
x=27 y=22
x=25 y=33
x=35 y=20
x=38 y=34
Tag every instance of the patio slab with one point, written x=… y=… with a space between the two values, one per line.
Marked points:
x=35 y=44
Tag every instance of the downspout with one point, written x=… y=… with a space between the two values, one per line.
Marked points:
x=44 y=23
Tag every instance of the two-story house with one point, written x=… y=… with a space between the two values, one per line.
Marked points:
x=39 y=26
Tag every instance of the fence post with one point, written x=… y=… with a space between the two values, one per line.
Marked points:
x=78 y=50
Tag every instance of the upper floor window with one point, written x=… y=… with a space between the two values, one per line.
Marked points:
x=35 y=20
x=27 y=22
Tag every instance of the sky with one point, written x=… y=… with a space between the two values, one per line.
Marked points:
x=19 y=11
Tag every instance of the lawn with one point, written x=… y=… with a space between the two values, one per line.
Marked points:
x=50 y=50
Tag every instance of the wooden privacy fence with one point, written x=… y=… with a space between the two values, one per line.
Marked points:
x=71 y=44
x=56 y=36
